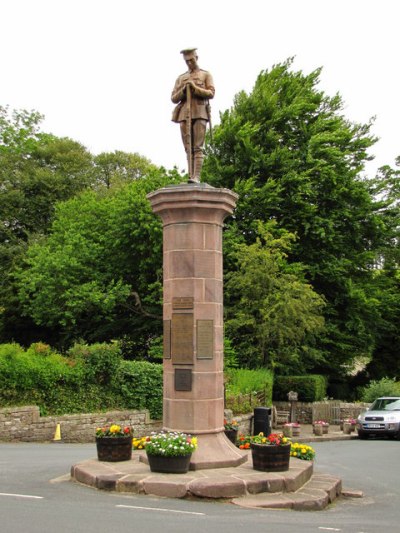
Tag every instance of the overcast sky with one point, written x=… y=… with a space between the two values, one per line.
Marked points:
x=102 y=71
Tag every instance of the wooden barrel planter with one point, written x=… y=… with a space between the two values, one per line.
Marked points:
x=113 y=449
x=270 y=458
x=169 y=465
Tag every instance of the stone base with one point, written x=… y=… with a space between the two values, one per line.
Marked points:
x=215 y=450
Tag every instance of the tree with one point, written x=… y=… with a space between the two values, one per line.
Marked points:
x=289 y=152
x=36 y=171
x=116 y=168
x=98 y=275
x=273 y=314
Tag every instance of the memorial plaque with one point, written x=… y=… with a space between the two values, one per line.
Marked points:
x=167 y=339
x=182 y=302
x=183 y=379
x=182 y=351
x=205 y=339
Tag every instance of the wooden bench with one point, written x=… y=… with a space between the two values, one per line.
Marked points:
x=279 y=418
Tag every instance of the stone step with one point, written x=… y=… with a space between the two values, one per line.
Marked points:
x=219 y=483
x=315 y=495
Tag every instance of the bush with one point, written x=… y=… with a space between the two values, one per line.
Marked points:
x=246 y=389
x=383 y=387
x=140 y=385
x=310 y=388
x=99 y=361
x=93 y=378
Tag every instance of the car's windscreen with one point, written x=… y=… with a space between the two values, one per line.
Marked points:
x=386 y=405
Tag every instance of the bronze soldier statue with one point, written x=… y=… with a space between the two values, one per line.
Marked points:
x=192 y=92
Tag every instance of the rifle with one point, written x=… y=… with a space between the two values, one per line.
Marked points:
x=208 y=109
x=189 y=129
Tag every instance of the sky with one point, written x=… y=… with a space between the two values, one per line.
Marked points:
x=102 y=71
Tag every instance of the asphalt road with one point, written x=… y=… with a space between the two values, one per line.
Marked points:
x=36 y=496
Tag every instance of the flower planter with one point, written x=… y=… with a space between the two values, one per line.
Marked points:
x=287 y=430
x=169 y=465
x=269 y=458
x=113 y=449
x=296 y=431
x=347 y=428
x=325 y=429
x=318 y=430
x=231 y=434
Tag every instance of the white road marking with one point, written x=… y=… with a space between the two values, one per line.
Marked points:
x=158 y=509
x=21 y=496
x=329 y=528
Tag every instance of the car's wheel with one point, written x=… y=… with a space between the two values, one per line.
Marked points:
x=362 y=435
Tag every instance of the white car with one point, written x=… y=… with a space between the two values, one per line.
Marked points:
x=382 y=418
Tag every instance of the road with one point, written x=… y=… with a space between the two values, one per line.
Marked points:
x=36 y=496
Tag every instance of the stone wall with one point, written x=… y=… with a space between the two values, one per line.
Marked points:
x=26 y=424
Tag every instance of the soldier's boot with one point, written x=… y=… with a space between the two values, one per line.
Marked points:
x=198 y=163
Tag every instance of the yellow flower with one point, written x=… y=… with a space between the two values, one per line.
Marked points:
x=303 y=450
x=194 y=441
x=294 y=453
x=284 y=440
x=115 y=428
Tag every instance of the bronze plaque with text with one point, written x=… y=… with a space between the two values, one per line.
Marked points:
x=182 y=351
x=205 y=339
x=182 y=302
x=167 y=339
x=183 y=379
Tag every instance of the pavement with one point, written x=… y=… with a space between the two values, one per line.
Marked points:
x=298 y=488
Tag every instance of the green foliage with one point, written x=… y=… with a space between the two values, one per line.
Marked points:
x=92 y=378
x=141 y=386
x=114 y=169
x=230 y=355
x=155 y=352
x=288 y=151
x=36 y=171
x=272 y=312
x=99 y=361
x=243 y=381
x=311 y=388
x=246 y=389
x=99 y=274
x=383 y=387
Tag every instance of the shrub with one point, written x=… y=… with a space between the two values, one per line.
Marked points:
x=100 y=361
x=92 y=378
x=244 y=381
x=383 y=387
x=140 y=385
x=246 y=389
x=310 y=388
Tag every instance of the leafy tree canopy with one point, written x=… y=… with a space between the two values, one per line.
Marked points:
x=288 y=151
x=99 y=273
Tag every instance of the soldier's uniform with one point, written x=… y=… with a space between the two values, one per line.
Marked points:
x=199 y=113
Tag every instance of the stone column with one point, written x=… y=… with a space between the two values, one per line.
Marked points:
x=193 y=399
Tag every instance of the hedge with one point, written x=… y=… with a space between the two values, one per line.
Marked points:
x=89 y=378
x=310 y=388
